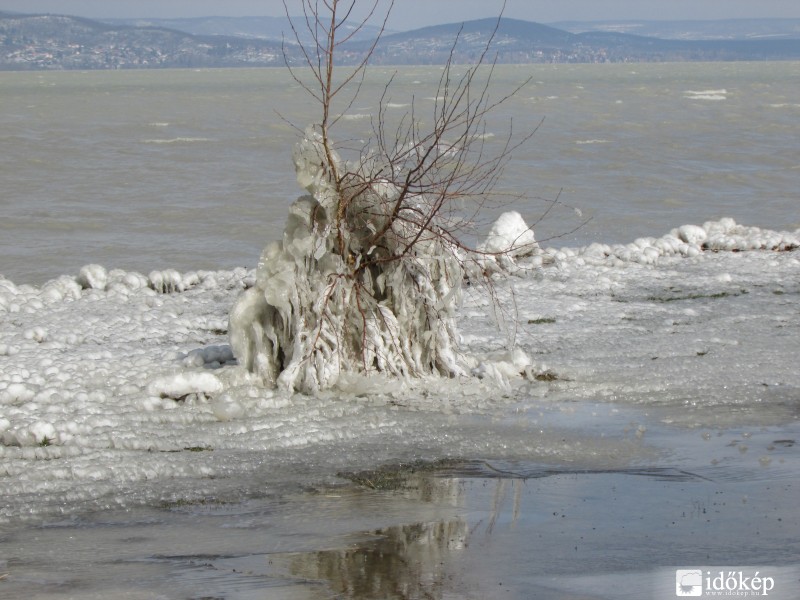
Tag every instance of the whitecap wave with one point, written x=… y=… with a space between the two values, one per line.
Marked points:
x=177 y=140
x=714 y=95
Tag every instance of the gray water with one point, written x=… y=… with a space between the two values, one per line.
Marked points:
x=192 y=169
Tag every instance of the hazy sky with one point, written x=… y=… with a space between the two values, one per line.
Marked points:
x=417 y=13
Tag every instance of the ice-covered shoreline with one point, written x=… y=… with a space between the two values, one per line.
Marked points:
x=686 y=241
x=118 y=389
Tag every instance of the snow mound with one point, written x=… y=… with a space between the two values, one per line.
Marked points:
x=509 y=246
x=169 y=281
x=510 y=236
x=93 y=277
x=181 y=385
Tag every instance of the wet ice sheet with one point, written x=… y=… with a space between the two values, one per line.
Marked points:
x=499 y=529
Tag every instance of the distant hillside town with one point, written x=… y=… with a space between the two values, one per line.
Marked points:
x=58 y=42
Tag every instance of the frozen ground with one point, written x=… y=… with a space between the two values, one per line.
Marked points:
x=124 y=418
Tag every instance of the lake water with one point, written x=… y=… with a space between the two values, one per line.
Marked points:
x=661 y=434
x=192 y=169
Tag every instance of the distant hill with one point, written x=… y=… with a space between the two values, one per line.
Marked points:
x=723 y=29
x=275 y=29
x=525 y=42
x=64 y=42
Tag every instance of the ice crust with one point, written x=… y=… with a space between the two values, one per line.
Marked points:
x=118 y=388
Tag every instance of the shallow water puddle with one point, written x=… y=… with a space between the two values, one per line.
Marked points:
x=561 y=535
x=480 y=529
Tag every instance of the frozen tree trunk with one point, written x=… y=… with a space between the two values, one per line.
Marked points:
x=324 y=304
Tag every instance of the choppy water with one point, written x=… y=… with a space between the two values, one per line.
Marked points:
x=192 y=169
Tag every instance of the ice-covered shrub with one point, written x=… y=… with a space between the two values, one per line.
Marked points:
x=316 y=311
x=369 y=271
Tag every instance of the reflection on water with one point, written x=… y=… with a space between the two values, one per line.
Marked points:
x=567 y=535
x=400 y=561
x=404 y=561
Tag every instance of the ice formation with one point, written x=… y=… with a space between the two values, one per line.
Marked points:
x=315 y=312
x=182 y=385
x=510 y=236
x=688 y=241
x=107 y=377
x=509 y=241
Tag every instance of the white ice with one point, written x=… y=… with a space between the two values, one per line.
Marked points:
x=118 y=389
